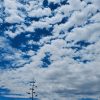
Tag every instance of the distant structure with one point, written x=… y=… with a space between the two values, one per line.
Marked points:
x=32 y=90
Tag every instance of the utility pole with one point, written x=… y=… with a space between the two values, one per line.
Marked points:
x=32 y=90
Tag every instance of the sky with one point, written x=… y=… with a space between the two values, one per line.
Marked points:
x=54 y=42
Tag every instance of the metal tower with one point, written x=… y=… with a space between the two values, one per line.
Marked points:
x=32 y=90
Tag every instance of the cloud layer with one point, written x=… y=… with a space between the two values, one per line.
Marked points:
x=57 y=42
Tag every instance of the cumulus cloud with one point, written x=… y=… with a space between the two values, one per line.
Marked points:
x=40 y=12
x=68 y=38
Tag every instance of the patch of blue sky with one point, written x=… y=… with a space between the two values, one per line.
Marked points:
x=40 y=33
x=71 y=28
x=79 y=59
x=45 y=3
x=64 y=20
x=83 y=43
x=23 y=1
x=7 y=26
x=4 y=64
x=1 y=29
x=79 y=45
x=46 y=60
x=28 y=20
x=4 y=91
x=53 y=6
x=21 y=40
x=88 y=99
x=9 y=98
x=64 y=2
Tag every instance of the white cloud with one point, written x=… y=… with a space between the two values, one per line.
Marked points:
x=54 y=1
x=65 y=77
x=57 y=18
x=1 y=21
x=40 y=12
x=89 y=32
x=96 y=18
x=12 y=12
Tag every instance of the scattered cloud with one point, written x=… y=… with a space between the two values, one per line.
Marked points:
x=59 y=47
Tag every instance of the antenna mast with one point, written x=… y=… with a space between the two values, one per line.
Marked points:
x=32 y=90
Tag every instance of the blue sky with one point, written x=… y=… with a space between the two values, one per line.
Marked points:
x=54 y=42
x=6 y=98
